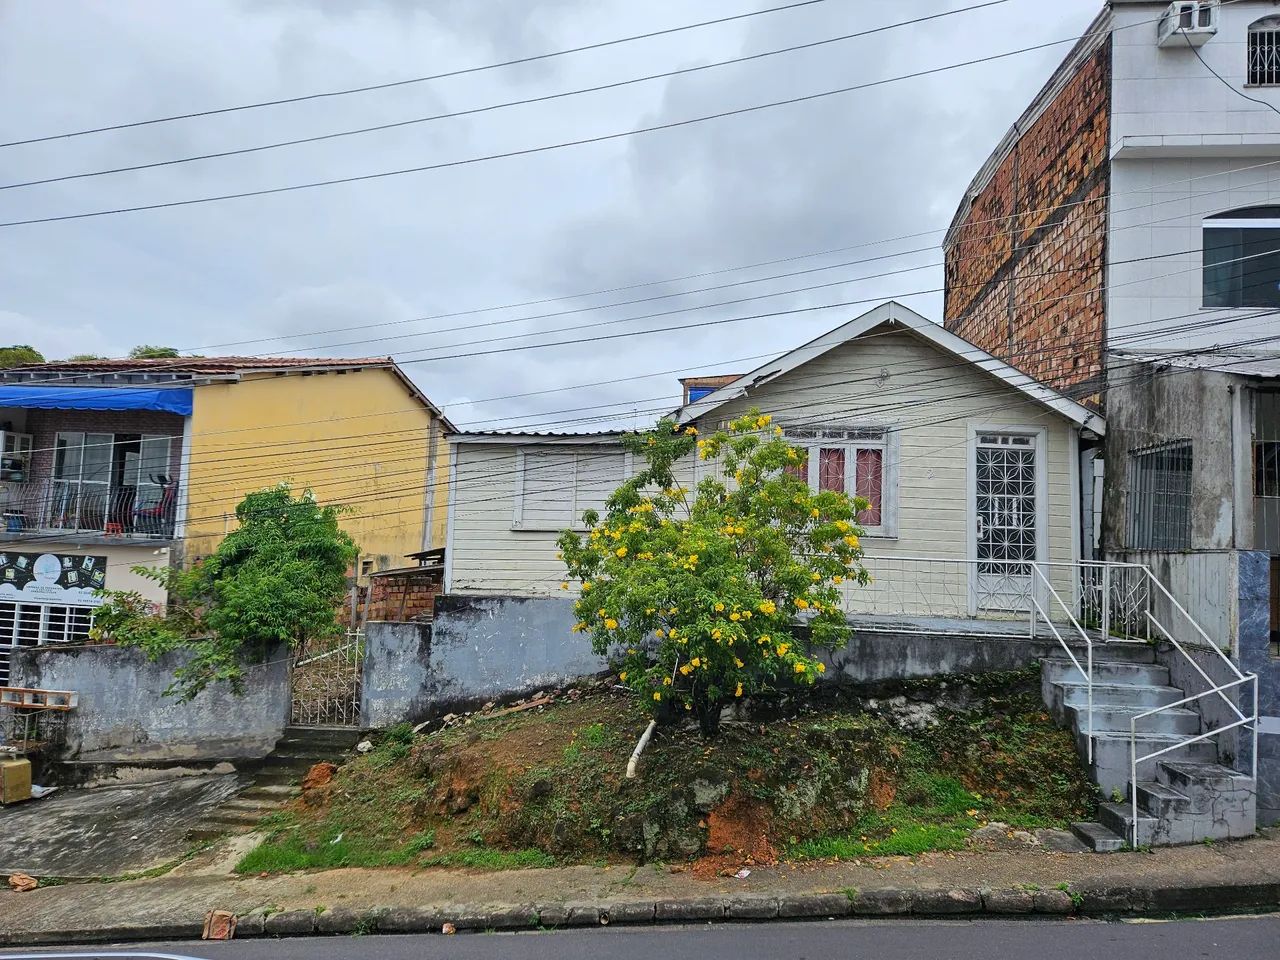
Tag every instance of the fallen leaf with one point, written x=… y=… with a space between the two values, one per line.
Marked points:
x=22 y=883
x=448 y=928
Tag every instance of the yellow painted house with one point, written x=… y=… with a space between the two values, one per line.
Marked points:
x=110 y=464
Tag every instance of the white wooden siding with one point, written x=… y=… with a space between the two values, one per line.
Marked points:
x=895 y=379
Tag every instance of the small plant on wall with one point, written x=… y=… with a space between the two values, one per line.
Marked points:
x=709 y=595
x=277 y=579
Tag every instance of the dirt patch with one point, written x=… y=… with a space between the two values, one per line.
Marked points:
x=737 y=835
x=881 y=789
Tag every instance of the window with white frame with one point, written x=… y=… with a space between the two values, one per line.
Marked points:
x=856 y=460
x=33 y=624
x=1160 y=497
x=555 y=485
x=1242 y=258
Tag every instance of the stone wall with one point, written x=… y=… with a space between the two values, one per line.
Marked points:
x=1026 y=255
x=123 y=714
x=1254 y=656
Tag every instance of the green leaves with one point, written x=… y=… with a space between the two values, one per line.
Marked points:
x=277 y=579
x=700 y=595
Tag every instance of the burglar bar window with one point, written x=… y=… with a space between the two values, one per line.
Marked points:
x=1160 y=497
x=1264 y=52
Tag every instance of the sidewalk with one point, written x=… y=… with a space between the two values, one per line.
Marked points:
x=1223 y=877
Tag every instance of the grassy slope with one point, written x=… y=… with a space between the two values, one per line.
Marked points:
x=546 y=786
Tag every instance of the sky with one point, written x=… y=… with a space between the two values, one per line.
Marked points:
x=348 y=270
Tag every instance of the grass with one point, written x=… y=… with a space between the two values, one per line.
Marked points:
x=546 y=786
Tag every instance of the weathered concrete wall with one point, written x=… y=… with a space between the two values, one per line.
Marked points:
x=477 y=649
x=482 y=648
x=1147 y=407
x=1255 y=657
x=123 y=713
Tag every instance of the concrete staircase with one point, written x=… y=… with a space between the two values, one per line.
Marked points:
x=1185 y=796
x=275 y=779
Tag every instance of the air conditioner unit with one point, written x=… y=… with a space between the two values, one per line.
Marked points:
x=1186 y=22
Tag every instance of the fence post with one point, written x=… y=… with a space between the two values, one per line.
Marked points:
x=1106 y=603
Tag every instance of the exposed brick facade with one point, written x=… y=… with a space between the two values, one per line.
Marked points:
x=400 y=595
x=45 y=425
x=1026 y=262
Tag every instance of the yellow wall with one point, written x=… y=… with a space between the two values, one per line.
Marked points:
x=358 y=438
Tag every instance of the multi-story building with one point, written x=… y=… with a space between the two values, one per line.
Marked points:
x=109 y=465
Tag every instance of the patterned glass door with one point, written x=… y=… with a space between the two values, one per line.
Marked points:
x=1006 y=521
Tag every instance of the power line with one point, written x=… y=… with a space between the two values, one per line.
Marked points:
x=794 y=48
x=411 y=80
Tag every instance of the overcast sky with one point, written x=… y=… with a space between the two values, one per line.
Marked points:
x=272 y=271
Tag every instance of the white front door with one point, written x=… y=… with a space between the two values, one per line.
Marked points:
x=1005 y=506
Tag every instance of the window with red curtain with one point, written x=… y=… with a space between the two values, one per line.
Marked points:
x=831 y=469
x=799 y=470
x=869 y=484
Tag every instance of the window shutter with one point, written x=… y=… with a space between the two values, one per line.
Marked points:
x=548 y=489
x=599 y=474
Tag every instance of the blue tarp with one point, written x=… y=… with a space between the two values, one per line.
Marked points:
x=170 y=399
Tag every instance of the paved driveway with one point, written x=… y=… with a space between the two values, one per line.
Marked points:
x=107 y=831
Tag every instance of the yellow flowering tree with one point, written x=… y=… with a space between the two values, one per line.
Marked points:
x=701 y=596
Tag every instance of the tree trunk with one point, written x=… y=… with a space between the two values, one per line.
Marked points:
x=708 y=713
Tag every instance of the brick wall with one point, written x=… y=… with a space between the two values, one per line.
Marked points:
x=1026 y=263
x=45 y=425
x=400 y=596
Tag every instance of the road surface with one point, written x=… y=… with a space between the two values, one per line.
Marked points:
x=1242 y=938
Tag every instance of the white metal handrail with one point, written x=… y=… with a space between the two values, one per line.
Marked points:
x=1134 y=759
x=1088 y=643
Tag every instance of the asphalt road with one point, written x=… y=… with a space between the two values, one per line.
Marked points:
x=1243 y=938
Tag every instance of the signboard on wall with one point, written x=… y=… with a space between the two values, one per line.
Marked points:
x=60 y=578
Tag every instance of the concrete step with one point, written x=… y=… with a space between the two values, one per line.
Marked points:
x=1161 y=801
x=1097 y=837
x=1107 y=671
x=1110 y=769
x=1122 y=651
x=287 y=777
x=301 y=761
x=278 y=792
x=200 y=834
x=234 y=818
x=257 y=807
x=1140 y=695
x=1175 y=721
x=1118 y=818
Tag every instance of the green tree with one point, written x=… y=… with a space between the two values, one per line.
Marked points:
x=87 y=356
x=277 y=578
x=704 y=598
x=18 y=354
x=146 y=351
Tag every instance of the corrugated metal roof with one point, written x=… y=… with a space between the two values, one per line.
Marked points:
x=1242 y=363
x=548 y=434
x=203 y=365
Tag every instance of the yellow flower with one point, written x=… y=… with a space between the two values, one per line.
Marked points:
x=695 y=662
x=564 y=586
x=971 y=813
x=765 y=639
x=737 y=663
x=738 y=692
x=777 y=431
x=799 y=668
x=693 y=558
x=622 y=675
x=649 y=611
x=672 y=633
x=611 y=624
x=719 y=608
x=673 y=611
x=746 y=614
x=603 y=612
x=802 y=603
x=660 y=633
x=657 y=695
x=814 y=577
x=685 y=670
x=791 y=453
x=767 y=607
x=666 y=681
x=621 y=551
x=815 y=513
x=688 y=706
x=851 y=540
x=763 y=421
x=842 y=526
x=735 y=616
x=691 y=431
x=783 y=648
x=586 y=586
x=822 y=667
x=837 y=579
x=715 y=634
x=579 y=627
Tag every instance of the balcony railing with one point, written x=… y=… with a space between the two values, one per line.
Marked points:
x=56 y=506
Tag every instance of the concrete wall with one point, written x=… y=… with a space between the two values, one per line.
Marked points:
x=477 y=649
x=485 y=648
x=1254 y=656
x=124 y=715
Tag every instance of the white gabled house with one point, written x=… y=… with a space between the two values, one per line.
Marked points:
x=972 y=469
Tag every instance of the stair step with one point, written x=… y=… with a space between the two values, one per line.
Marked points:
x=1118 y=651
x=1150 y=674
x=1118 y=818
x=1097 y=837
x=270 y=791
x=1146 y=696
x=234 y=818
x=257 y=807
x=201 y=834
x=1189 y=771
x=1161 y=801
x=1115 y=718
x=1110 y=768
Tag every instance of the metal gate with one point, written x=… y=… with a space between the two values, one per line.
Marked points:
x=325 y=682
x=1006 y=521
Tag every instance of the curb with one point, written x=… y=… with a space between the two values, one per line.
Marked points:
x=879 y=903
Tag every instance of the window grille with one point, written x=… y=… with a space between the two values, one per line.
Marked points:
x=1264 y=52
x=1160 y=497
